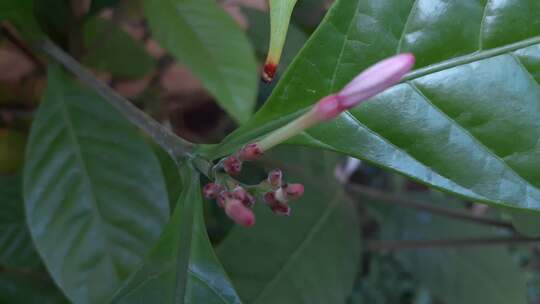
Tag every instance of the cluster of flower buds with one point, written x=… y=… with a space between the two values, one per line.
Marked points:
x=238 y=202
x=281 y=194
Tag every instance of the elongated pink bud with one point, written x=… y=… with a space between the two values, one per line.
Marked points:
x=239 y=213
x=369 y=83
x=376 y=79
x=211 y=190
x=251 y=152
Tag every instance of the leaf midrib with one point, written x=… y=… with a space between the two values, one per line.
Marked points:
x=86 y=179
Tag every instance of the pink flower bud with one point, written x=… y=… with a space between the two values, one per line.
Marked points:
x=242 y=195
x=232 y=165
x=278 y=207
x=369 y=83
x=211 y=190
x=281 y=209
x=294 y=191
x=274 y=178
x=239 y=213
x=376 y=79
x=251 y=152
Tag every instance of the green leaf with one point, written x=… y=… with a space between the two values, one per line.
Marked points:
x=93 y=189
x=466 y=121
x=170 y=173
x=310 y=257
x=456 y=275
x=16 y=247
x=203 y=37
x=30 y=288
x=182 y=267
x=21 y=14
x=110 y=49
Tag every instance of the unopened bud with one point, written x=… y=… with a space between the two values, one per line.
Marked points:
x=281 y=209
x=251 y=152
x=376 y=79
x=232 y=165
x=278 y=207
x=245 y=197
x=211 y=190
x=239 y=213
x=294 y=191
x=274 y=178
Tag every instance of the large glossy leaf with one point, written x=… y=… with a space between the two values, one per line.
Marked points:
x=110 y=49
x=203 y=37
x=16 y=247
x=310 y=257
x=466 y=121
x=94 y=194
x=182 y=267
x=456 y=275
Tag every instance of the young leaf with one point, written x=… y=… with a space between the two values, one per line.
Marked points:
x=182 y=266
x=465 y=122
x=94 y=193
x=310 y=257
x=280 y=17
x=203 y=37
x=110 y=49
x=16 y=247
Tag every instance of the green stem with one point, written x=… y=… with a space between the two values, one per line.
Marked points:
x=397 y=245
x=291 y=129
x=174 y=145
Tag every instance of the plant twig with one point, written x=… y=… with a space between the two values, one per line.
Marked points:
x=397 y=245
x=21 y=46
x=380 y=196
x=170 y=142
